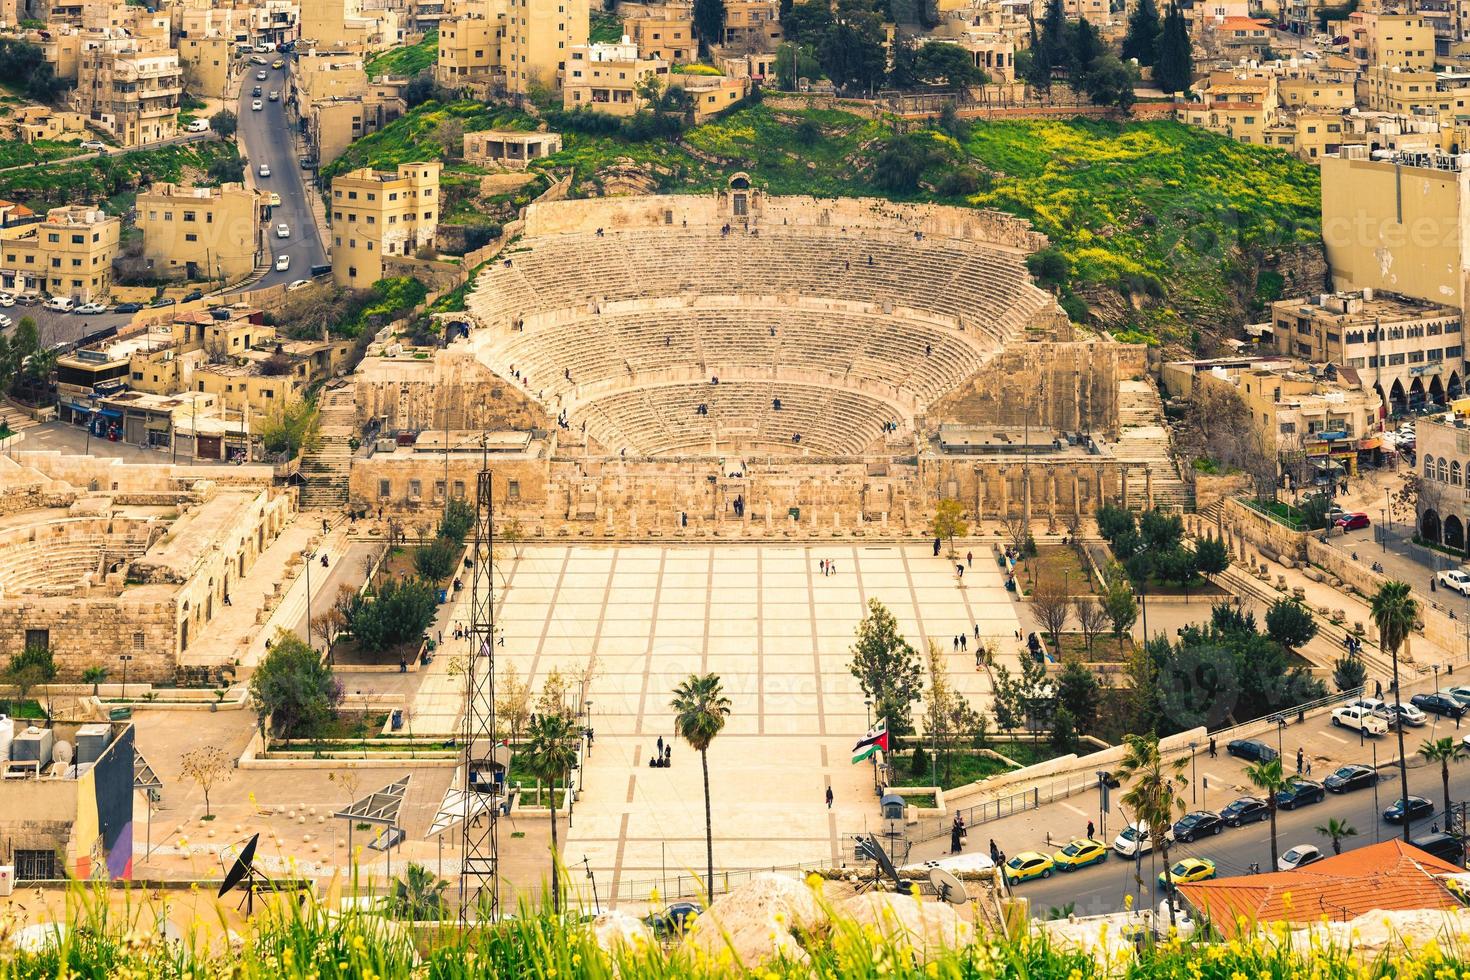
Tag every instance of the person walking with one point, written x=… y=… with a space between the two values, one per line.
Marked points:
x=936 y=547
x=1213 y=752
x=1299 y=758
x=1090 y=830
x=660 y=745
x=994 y=851
x=970 y=559
x=829 y=797
x=956 y=642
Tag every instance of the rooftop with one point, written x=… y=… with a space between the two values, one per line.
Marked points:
x=1365 y=306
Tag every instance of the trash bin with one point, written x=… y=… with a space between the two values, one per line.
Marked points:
x=397 y=718
x=443 y=595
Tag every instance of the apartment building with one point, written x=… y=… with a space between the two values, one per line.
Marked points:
x=127 y=90
x=1242 y=108
x=992 y=51
x=333 y=124
x=538 y=38
x=1443 y=502
x=608 y=77
x=348 y=25
x=755 y=25
x=212 y=233
x=377 y=215
x=1407 y=350
x=663 y=32
x=470 y=46
x=1324 y=90
x=1416 y=92
x=1391 y=40
x=68 y=254
x=206 y=65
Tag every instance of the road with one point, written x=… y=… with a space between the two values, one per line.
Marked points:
x=1101 y=888
x=265 y=138
x=62 y=328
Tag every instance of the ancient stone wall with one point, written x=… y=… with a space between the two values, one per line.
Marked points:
x=414 y=395
x=1072 y=387
x=409 y=484
x=87 y=631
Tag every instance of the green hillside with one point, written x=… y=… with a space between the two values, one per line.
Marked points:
x=408 y=59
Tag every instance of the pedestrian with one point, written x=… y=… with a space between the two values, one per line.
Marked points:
x=1213 y=752
x=970 y=559
x=1090 y=830
x=822 y=565
x=326 y=526
x=668 y=755
x=977 y=631
x=831 y=567
x=591 y=737
x=964 y=642
x=660 y=745
x=683 y=519
x=961 y=570
x=1378 y=690
x=977 y=656
x=936 y=547
x=956 y=642
x=829 y=797
x=1299 y=757
x=994 y=851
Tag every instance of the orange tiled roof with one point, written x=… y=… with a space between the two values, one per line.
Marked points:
x=1239 y=23
x=1392 y=876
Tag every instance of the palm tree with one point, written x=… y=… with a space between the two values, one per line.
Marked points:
x=700 y=708
x=1395 y=611
x=1444 y=751
x=94 y=675
x=1337 y=830
x=1155 y=796
x=1270 y=779
x=420 y=895
x=551 y=749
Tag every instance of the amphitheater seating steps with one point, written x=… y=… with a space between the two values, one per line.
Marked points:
x=1144 y=440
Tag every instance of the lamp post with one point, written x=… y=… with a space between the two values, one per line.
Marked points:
x=1193 y=774
x=596 y=905
x=307 y=555
x=1435 y=668
x=1385 y=525
x=126 y=658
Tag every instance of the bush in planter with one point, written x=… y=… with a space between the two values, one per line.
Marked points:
x=919 y=762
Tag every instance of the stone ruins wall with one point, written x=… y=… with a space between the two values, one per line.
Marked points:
x=415 y=395
x=409 y=484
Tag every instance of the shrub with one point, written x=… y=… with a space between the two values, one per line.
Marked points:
x=398 y=614
x=294 y=687
x=435 y=561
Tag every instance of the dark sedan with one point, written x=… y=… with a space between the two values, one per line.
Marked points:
x=127 y=308
x=673 y=920
x=1251 y=750
x=1418 y=809
x=1200 y=823
x=1349 y=778
x=1247 y=809
x=1300 y=793
x=1438 y=704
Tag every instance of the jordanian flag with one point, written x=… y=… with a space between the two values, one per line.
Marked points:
x=876 y=740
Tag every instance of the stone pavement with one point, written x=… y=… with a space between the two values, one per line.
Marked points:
x=778 y=633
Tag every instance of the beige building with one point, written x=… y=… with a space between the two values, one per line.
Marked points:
x=470 y=46
x=349 y=25
x=538 y=38
x=332 y=125
x=1318 y=90
x=1415 y=91
x=68 y=254
x=666 y=33
x=377 y=215
x=1242 y=108
x=510 y=150
x=211 y=233
x=1391 y=40
x=206 y=64
x=753 y=25
x=1443 y=503
x=608 y=77
x=128 y=91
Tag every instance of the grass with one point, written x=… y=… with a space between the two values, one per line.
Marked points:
x=605 y=29
x=406 y=60
x=1028 y=752
x=1279 y=511
x=1104 y=647
x=17 y=154
x=956 y=769
x=27 y=708
x=98 y=181
x=1059 y=563
x=414 y=136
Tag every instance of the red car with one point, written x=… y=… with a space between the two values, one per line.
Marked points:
x=1351 y=522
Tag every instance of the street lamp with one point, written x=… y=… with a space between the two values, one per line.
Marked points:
x=1193 y=775
x=126 y=658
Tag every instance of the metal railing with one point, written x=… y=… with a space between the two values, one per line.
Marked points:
x=671 y=888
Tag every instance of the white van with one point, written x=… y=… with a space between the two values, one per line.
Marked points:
x=199 y=126
x=62 y=304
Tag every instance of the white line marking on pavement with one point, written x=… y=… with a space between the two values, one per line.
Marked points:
x=1080 y=813
x=1341 y=741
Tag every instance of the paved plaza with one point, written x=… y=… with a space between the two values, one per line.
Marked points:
x=778 y=633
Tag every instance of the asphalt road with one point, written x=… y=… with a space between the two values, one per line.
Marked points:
x=1102 y=887
x=62 y=328
x=265 y=137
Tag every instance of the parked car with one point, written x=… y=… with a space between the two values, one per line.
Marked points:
x=1349 y=778
x=1187 y=870
x=1438 y=704
x=61 y=304
x=275 y=199
x=256 y=60
x=1417 y=808
x=1352 y=522
x=1247 y=809
x=1460 y=692
x=283 y=262
x=1198 y=824
x=673 y=920
x=1134 y=840
x=28 y=298
x=283 y=230
x=5 y=321
x=192 y=295
x=1298 y=857
x=1455 y=580
x=264 y=170
x=1302 y=792
x=1080 y=853
x=1359 y=719
x=92 y=308
x=1028 y=865
x=93 y=145
x=127 y=307
x=1406 y=713
x=1251 y=750
x=7 y=299
x=298 y=284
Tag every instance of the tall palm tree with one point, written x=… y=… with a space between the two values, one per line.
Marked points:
x=1395 y=612
x=1444 y=751
x=1336 y=830
x=1270 y=779
x=1156 y=794
x=551 y=749
x=700 y=709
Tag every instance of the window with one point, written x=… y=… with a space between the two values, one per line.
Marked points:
x=438 y=489
x=415 y=489
x=1441 y=471
x=513 y=490
x=385 y=489
x=36 y=865
x=1455 y=473
x=39 y=639
x=1429 y=467
x=459 y=489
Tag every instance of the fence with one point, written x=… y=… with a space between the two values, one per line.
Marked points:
x=672 y=888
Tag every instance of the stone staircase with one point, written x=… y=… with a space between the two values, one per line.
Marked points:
x=15 y=418
x=1144 y=440
x=326 y=466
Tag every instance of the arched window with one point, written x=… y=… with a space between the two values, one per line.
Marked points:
x=1429 y=467
x=1442 y=470
x=1455 y=473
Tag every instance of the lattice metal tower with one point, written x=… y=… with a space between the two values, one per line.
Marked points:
x=479 y=882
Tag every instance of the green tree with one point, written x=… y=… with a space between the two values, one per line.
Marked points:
x=1154 y=796
x=94 y=675
x=1142 y=38
x=419 y=897
x=1063 y=731
x=1395 y=612
x=294 y=688
x=1054 y=34
x=227 y=169
x=1211 y=557
x=291 y=427
x=30 y=668
x=709 y=23
x=887 y=668
x=851 y=54
x=224 y=124
x=948 y=64
x=1337 y=830
x=795 y=62
x=1085 y=46
x=549 y=753
x=1174 y=69
x=1118 y=602
x=1079 y=692
x=205 y=765
x=1270 y=779
x=902 y=160
x=700 y=712
x=949 y=522
x=437 y=560
x=1289 y=623
x=459 y=517
x=1443 y=751
x=397 y=614
x=1348 y=673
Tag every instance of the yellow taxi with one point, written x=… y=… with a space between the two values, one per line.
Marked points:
x=275 y=199
x=1027 y=865
x=1079 y=853
x=1189 y=869
x=278 y=64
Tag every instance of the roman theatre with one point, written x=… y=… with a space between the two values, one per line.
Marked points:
x=745 y=363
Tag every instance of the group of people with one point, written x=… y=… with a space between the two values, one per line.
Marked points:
x=739 y=505
x=663 y=755
x=827 y=567
x=957 y=835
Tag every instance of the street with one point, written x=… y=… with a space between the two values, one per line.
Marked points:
x=265 y=138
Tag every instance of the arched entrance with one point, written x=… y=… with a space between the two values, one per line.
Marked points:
x=1429 y=526
x=1454 y=533
x=1453 y=389
x=1398 y=402
x=1436 y=390
x=1416 y=394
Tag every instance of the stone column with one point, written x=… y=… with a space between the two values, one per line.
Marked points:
x=1026 y=494
x=1148 y=485
x=1005 y=491
x=1123 y=490
x=1051 y=498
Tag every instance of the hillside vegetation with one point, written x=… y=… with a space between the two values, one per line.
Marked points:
x=95 y=181
x=409 y=59
x=1159 y=231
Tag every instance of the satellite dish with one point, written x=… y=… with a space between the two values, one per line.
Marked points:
x=870 y=847
x=62 y=752
x=950 y=888
x=242 y=868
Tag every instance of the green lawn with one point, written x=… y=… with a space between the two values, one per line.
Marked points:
x=960 y=769
x=405 y=60
x=29 y=708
